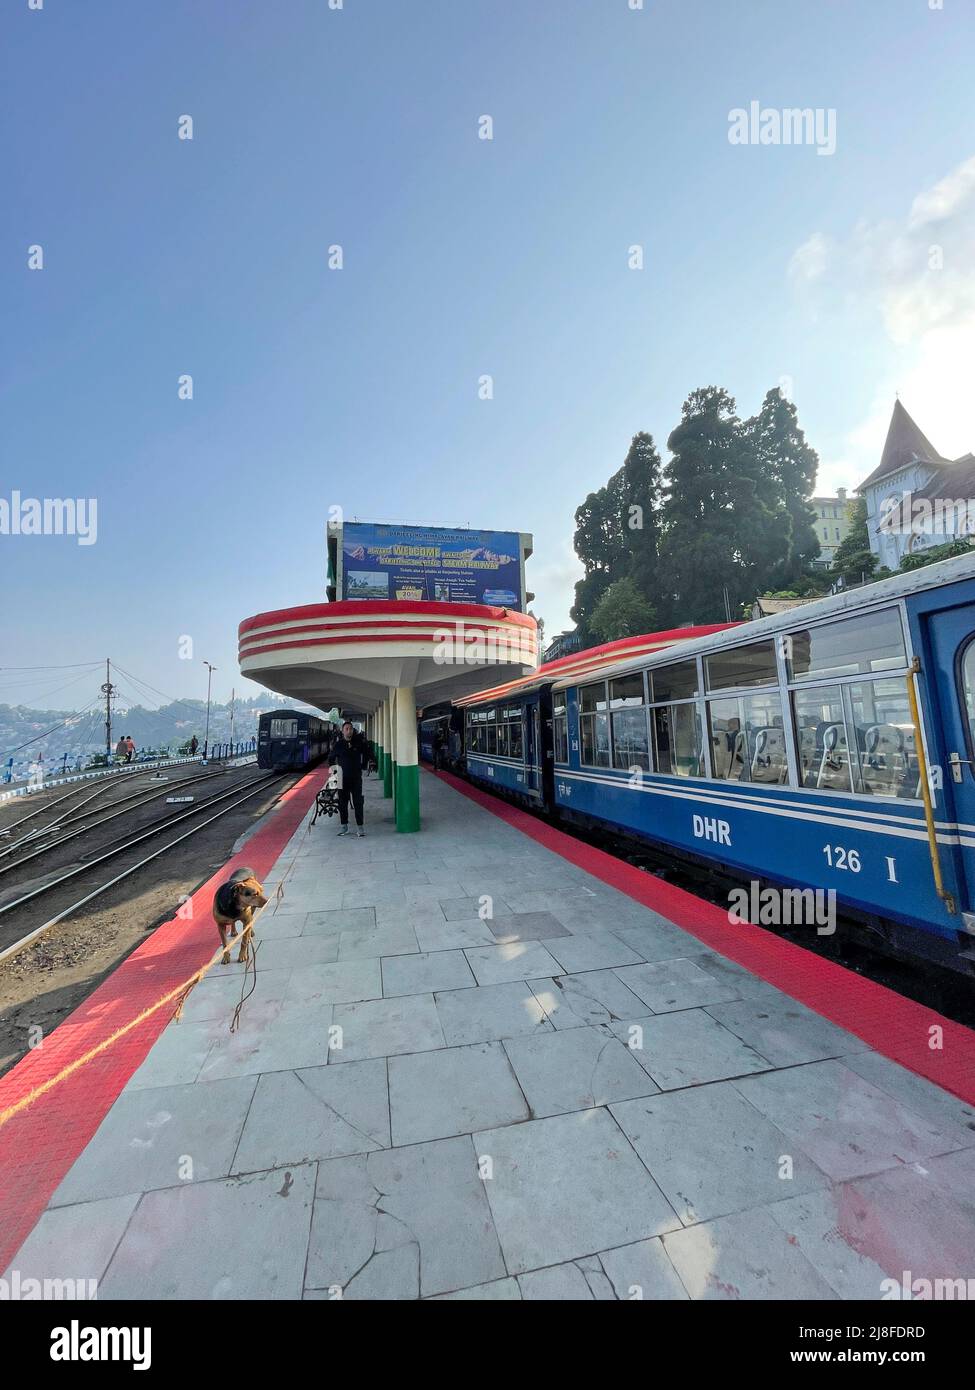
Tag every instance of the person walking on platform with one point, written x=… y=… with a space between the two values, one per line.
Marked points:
x=348 y=755
x=129 y=749
x=120 y=748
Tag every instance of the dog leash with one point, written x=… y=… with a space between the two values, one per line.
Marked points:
x=177 y=996
x=251 y=956
x=248 y=932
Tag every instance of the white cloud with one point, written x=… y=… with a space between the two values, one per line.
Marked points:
x=918 y=277
x=554 y=584
x=810 y=260
x=945 y=198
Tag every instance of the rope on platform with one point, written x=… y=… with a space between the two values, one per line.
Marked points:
x=37 y=1091
x=251 y=958
x=180 y=994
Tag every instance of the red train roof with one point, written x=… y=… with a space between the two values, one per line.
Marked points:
x=594 y=659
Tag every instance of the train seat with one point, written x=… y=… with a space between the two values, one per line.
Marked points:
x=810 y=756
x=834 y=766
x=726 y=751
x=769 y=760
x=885 y=759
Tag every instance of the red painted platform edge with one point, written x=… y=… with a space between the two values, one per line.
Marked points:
x=39 y=1145
x=896 y=1027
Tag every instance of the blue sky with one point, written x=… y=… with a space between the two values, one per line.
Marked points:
x=358 y=387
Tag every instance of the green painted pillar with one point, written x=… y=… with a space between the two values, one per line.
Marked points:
x=407 y=774
x=387 y=749
x=376 y=739
x=392 y=744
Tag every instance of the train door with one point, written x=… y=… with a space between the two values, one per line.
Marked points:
x=285 y=750
x=532 y=740
x=951 y=635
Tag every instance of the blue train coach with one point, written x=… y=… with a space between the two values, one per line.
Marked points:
x=289 y=740
x=830 y=747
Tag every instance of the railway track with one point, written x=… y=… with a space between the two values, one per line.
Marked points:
x=60 y=800
x=231 y=796
x=123 y=806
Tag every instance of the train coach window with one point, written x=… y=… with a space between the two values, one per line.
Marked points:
x=861 y=646
x=821 y=739
x=880 y=716
x=592 y=698
x=631 y=744
x=560 y=730
x=748 y=739
x=516 y=738
x=676 y=682
x=284 y=728
x=628 y=690
x=593 y=726
x=594 y=740
x=677 y=740
x=968 y=686
x=742 y=667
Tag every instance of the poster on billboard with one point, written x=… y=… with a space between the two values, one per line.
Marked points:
x=432 y=562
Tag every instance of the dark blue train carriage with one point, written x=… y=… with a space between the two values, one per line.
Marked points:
x=289 y=741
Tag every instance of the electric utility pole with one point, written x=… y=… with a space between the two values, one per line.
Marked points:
x=108 y=690
x=206 y=736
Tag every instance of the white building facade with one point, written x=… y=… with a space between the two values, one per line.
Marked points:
x=916 y=498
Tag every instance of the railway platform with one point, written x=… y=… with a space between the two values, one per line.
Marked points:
x=489 y=1062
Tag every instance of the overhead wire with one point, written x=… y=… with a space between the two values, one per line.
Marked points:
x=62 y=724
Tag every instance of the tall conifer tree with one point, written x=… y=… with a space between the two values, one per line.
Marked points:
x=790 y=464
x=722 y=527
x=616 y=532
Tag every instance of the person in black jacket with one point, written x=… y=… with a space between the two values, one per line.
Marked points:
x=348 y=755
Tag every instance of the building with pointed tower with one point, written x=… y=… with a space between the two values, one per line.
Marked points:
x=916 y=498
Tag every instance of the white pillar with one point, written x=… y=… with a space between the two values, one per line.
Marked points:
x=407 y=771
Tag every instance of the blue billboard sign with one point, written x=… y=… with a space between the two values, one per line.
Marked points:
x=432 y=562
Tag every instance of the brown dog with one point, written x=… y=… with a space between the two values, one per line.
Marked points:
x=236 y=902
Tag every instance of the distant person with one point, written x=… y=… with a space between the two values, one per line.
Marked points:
x=348 y=755
x=194 y=745
x=120 y=749
x=129 y=749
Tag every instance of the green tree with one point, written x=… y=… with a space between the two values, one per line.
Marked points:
x=853 y=560
x=785 y=458
x=917 y=559
x=623 y=611
x=616 y=533
x=722 y=516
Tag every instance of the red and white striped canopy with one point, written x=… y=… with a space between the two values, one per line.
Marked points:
x=353 y=652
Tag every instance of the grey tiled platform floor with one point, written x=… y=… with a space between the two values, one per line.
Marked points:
x=470 y=1070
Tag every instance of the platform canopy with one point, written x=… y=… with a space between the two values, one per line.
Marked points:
x=380 y=660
